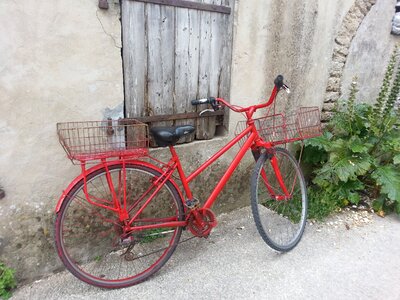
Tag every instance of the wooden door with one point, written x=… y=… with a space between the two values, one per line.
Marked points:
x=175 y=51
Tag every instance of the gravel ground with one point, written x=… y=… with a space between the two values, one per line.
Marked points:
x=349 y=218
x=353 y=255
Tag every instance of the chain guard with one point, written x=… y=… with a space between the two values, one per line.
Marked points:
x=207 y=217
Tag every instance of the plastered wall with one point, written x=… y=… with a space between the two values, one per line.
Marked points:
x=292 y=38
x=59 y=61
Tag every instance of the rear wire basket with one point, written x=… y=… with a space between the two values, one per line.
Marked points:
x=282 y=128
x=94 y=140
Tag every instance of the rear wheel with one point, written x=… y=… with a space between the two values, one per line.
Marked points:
x=90 y=239
x=280 y=219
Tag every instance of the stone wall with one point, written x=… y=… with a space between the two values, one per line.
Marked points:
x=369 y=52
x=362 y=49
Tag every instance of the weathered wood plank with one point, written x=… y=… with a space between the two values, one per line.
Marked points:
x=160 y=31
x=212 y=35
x=191 y=5
x=193 y=62
x=186 y=63
x=181 y=63
x=204 y=66
x=226 y=60
x=134 y=57
x=160 y=37
x=154 y=72
x=168 y=58
x=217 y=33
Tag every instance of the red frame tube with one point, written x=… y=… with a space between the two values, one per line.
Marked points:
x=278 y=175
x=88 y=197
x=218 y=155
x=211 y=199
x=158 y=184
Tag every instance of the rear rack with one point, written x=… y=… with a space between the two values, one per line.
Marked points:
x=94 y=140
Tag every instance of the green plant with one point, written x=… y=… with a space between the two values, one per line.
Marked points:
x=359 y=152
x=7 y=281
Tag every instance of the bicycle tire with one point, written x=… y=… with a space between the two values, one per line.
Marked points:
x=91 y=249
x=275 y=218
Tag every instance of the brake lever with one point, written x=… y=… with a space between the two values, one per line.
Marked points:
x=286 y=88
x=206 y=110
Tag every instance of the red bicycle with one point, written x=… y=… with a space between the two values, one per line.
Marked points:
x=119 y=221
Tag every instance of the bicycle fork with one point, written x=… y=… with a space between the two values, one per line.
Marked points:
x=278 y=174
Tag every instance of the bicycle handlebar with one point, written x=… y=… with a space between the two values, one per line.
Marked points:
x=215 y=102
x=210 y=100
x=278 y=81
x=200 y=101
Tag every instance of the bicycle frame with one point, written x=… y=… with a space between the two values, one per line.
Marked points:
x=252 y=142
x=121 y=219
x=175 y=164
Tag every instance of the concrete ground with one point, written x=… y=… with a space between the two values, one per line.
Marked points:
x=334 y=260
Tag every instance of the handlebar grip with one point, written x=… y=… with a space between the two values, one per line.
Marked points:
x=200 y=101
x=279 y=81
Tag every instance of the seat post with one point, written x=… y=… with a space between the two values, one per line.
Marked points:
x=173 y=153
x=181 y=173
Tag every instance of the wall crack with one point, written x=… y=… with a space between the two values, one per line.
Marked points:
x=116 y=44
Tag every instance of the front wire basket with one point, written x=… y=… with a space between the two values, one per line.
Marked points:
x=94 y=140
x=282 y=128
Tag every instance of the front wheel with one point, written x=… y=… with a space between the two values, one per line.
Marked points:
x=90 y=239
x=280 y=215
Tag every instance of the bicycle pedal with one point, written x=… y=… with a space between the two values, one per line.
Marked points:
x=127 y=241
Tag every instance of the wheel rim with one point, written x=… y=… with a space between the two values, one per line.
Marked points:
x=282 y=221
x=90 y=237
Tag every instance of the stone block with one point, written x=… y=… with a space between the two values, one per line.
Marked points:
x=357 y=13
x=335 y=73
x=343 y=38
x=336 y=69
x=331 y=97
x=338 y=58
x=328 y=107
x=342 y=50
x=351 y=23
x=326 y=116
x=333 y=84
x=362 y=5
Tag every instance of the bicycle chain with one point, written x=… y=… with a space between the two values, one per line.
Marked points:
x=129 y=256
